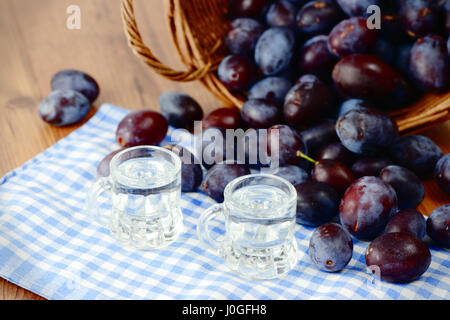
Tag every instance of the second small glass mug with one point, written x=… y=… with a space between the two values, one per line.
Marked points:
x=259 y=241
x=145 y=187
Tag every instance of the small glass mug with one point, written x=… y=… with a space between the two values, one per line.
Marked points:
x=145 y=187
x=259 y=212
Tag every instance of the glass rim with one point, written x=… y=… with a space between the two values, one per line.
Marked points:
x=114 y=163
x=292 y=195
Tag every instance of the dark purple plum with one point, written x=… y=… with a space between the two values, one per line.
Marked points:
x=337 y=152
x=298 y=2
x=367 y=206
x=416 y=153
x=404 y=94
x=274 y=50
x=442 y=173
x=247 y=8
x=351 y=104
x=334 y=174
x=255 y=145
x=356 y=7
x=318 y=17
x=352 y=36
x=408 y=221
x=191 y=170
x=319 y=135
x=429 y=63
x=402 y=57
x=370 y=166
x=78 y=81
x=290 y=72
x=408 y=187
x=330 y=247
x=419 y=17
x=213 y=146
x=236 y=72
x=367 y=77
x=317 y=203
x=284 y=143
x=220 y=175
x=226 y=117
x=270 y=88
x=438 y=225
x=306 y=78
x=64 y=107
x=243 y=35
x=401 y=257
x=448 y=46
x=218 y=145
x=144 y=127
x=384 y=50
x=260 y=113
x=307 y=101
x=180 y=109
x=445 y=8
x=366 y=130
x=315 y=58
x=391 y=27
x=282 y=14
x=103 y=168
x=293 y=174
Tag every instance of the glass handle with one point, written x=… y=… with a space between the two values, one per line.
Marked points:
x=100 y=186
x=203 y=231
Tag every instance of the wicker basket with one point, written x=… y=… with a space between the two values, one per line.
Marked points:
x=198 y=30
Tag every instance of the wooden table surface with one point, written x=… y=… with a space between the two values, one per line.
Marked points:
x=35 y=43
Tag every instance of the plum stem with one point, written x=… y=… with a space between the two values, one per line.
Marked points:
x=304 y=156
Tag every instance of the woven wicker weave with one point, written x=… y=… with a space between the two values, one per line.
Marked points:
x=198 y=27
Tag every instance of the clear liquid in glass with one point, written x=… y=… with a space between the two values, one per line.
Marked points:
x=146 y=213
x=260 y=242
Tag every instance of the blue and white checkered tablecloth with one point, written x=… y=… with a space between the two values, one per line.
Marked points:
x=49 y=246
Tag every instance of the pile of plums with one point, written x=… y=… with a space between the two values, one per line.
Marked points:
x=320 y=74
x=365 y=177
x=385 y=57
x=318 y=81
x=354 y=171
x=73 y=92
